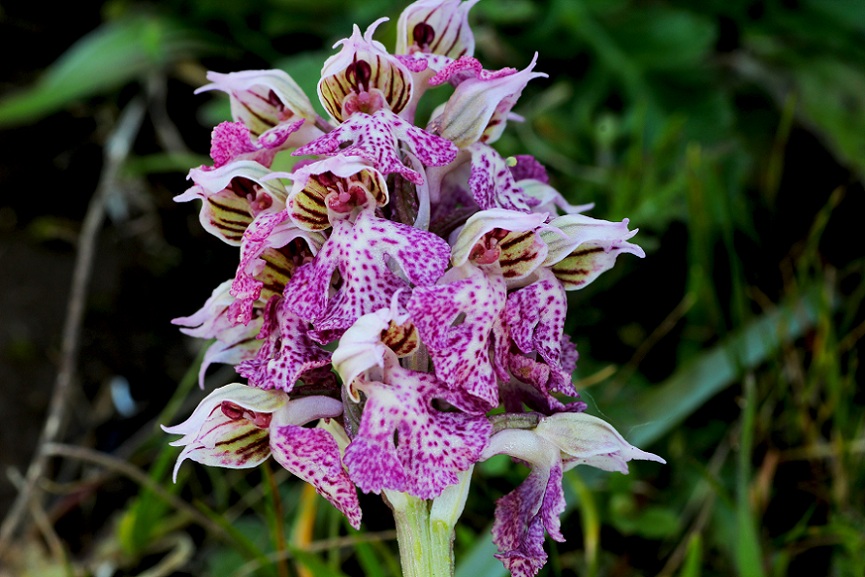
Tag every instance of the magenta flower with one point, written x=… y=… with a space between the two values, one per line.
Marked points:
x=558 y=443
x=433 y=445
x=239 y=427
x=398 y=290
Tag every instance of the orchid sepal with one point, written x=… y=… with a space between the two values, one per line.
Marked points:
x=262 y=99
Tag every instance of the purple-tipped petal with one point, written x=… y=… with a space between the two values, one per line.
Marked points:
x=232 y=141
x=363 y=253
x=313 y=455
x=455 y=320
x=479 y=107
x=404 y=444
x=286 y=353
x=263 y=99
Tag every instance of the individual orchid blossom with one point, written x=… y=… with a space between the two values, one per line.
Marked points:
x=233 y=343
x=433 y=446
x=238 y=427
x=556 y=444
x=479 y=108
x=232 y=196
x=363 y=77
x=399 y=303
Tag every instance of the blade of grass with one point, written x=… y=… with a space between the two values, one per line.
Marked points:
x=749 y=560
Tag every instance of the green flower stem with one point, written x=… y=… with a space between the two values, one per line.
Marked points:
x=425 y=531
x=411 y=515
x=444 y=514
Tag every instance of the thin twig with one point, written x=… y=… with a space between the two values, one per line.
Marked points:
x=116 y=150
x=134 y=473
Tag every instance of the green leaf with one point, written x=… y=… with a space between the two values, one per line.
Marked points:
x=832 y=98
x=107 y=58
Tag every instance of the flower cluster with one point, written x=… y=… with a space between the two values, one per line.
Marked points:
x=398 y=285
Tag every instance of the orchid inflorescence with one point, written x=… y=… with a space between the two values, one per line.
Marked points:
x=399 y=305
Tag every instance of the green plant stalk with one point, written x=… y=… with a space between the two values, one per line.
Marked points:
x=411 y=516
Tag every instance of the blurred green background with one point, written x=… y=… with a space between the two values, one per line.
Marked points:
x=731 y=133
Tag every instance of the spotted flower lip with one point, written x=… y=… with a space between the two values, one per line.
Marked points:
x=238 y=427
x=375 y=258
x=263 y=99
x=433 y=447
x=363 y=77
x=377 y=138
x=436 y=27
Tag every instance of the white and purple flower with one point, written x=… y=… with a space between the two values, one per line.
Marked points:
x=399 y=287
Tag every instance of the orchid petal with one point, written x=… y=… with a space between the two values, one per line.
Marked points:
x=436 y=27
x=287 y=352
x=585 y=247
x=211 y=437
x=313 y=455
x=233 y=195
x=455 y=320
x=234 y=343
x=361 y=72
x=376 y=139
x=514 y=243
x=523 y=515
x=587 y=440
x=265 y=264
x=535 y=316
x=431 y=446
x=492 y=183
x=315 y=181
x=478 y=109
x=262 y=99
x=363 y=252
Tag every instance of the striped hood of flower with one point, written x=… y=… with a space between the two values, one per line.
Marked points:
x=398 y=284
